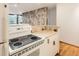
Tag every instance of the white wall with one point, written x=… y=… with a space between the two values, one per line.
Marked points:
x=52 y=16
x=68 y=20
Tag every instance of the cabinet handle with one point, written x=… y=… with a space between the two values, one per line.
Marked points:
x=54 y=43
x=18 y=28
x=48 y=41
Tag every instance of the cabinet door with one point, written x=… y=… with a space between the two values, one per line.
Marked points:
x=50 y=46
x=44 y=50
x=54 y=42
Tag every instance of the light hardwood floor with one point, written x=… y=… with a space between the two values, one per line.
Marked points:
x=68 y=50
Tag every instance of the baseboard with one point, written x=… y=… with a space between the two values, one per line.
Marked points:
x=69 y=44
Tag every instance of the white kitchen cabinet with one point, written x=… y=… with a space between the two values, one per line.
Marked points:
x=50 y=46
x=44 y=50
x=54 y=45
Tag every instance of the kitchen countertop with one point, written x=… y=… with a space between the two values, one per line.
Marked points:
x=45 y=33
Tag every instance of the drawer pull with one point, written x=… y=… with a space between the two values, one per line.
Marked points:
x=48 y=41
x=54 y=43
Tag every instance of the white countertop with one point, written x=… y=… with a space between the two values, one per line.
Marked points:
x=44 y=34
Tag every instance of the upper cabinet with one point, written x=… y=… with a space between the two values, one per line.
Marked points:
x=36 y=17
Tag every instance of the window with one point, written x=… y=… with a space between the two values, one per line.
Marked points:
x=15 y=19
x=12 y=19
x=20 y=20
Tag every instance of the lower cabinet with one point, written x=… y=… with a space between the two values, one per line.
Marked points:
x=54 y=45
x=44 y=50
x=50 y=46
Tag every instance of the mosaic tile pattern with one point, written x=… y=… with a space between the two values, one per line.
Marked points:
x=36 y=17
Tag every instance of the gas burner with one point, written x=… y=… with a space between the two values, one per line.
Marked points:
x=17 y=44
x=14 y=40
x=34 y=38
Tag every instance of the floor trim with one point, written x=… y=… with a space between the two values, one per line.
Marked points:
x=69 y=44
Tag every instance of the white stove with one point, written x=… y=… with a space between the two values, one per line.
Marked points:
x=23 y=44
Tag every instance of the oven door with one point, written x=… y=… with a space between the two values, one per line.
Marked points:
x=35 y=53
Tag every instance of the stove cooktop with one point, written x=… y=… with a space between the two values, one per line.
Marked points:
x=22 y=41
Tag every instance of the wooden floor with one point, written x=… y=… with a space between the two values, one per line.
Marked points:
x=68 y=50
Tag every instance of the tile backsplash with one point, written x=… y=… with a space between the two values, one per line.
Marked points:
x=36 y=17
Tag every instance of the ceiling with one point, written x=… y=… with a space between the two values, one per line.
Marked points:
x=24 y=7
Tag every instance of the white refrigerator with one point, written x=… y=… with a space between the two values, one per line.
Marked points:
x=3 y=30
